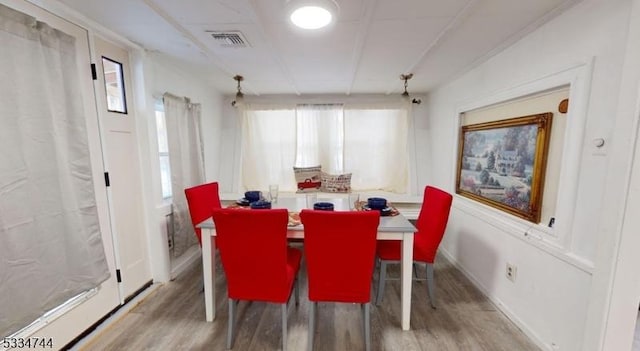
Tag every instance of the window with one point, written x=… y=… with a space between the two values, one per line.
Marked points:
x=369 y=142
x=114 y=85
x=320 y=137
x=163 y=150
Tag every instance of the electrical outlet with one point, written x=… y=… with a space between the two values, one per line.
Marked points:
x=511 y=271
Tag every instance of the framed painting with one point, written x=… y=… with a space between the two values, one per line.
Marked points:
x=502 y=163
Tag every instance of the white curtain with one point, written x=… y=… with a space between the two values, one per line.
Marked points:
x=268 y=148
x=186 y=159
x=320 y=137
x=49 y=232
x=369 y=141
x=376 y=148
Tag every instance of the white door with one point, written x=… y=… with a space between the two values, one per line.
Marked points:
x=122 y=162
x=73 y=322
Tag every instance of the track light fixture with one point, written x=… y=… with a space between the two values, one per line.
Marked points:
x=239 y=95
x=405 y=94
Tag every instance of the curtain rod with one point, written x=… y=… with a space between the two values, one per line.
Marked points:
x=186 y=99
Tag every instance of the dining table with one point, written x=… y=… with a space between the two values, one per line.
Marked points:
x=395 y=227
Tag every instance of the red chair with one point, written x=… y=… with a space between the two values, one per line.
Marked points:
x=431 y=224
x=340 y=272
x=201 y=199
x=258 y=264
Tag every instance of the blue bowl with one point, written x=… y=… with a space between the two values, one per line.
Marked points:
x=261 y=205
x=377 y=203
x=323 y=206
x=253 y=195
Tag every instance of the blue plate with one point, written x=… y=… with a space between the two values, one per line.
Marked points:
x=243 y=202
x=261 y=205
x=383 y=212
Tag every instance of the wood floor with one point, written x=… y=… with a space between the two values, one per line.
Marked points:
x=172 y=318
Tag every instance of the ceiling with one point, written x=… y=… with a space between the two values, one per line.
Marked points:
x=365 y=51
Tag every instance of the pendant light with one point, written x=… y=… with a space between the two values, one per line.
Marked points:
x=405 y=94
x=239 y=95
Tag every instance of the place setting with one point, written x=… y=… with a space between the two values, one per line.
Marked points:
x=255 y=200
x=377 y=204
x=251 y=198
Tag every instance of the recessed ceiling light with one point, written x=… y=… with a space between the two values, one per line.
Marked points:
x=312 y=14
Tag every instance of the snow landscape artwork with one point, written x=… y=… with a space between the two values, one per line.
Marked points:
x=502 y=163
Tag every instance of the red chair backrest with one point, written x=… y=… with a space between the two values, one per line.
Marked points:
x=253 y=251
x=340 y=249
x=201 y=199
x=432 y=221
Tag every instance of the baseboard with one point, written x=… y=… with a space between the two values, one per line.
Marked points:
x=185 y=261
x=120 y=312
x=498 y=303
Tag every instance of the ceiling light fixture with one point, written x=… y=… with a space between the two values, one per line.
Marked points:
x=405 y=94
x=312 y=14
x=239 y=95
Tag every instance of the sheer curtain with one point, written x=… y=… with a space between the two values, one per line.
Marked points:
x=51 y=242
x=268 y=147
x=369 y=141
x=376 y=148
x=320 y=137
x=187 y=168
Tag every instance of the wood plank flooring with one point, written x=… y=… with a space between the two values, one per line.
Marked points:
x=172 y=318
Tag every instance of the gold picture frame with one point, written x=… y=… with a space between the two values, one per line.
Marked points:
x=502 y=163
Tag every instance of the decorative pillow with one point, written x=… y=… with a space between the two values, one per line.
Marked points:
x=308 y=178
x=336 y=183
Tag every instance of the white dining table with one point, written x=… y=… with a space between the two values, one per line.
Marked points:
x=390 y=228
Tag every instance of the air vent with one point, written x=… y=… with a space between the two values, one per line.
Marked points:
x=232 y=39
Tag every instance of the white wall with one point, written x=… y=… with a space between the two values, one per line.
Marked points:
x=229 y=148
x=616 y=288
x=552 y=295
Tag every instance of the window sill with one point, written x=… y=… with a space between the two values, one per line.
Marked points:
x=165 y=207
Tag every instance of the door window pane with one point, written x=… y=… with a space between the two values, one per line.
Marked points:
x=114 y=86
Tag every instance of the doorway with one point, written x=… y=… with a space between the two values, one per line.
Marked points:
x=122 y=164
x=71 y=320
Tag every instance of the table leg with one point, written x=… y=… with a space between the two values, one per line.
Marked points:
x=209 y=272
x=406 y=269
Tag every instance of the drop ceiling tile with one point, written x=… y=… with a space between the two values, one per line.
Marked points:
x=207 y=11
x=397 y=46
x=414 y=9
